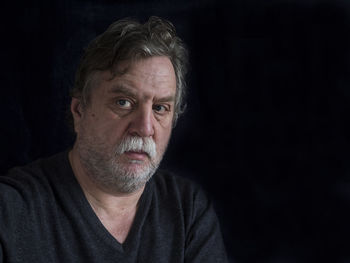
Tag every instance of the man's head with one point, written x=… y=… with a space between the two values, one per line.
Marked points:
x=129 y=40
x=128 y=93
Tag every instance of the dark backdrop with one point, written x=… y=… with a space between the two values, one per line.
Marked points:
x=267 y=126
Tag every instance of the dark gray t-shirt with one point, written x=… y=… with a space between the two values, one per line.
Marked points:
x=45 y=217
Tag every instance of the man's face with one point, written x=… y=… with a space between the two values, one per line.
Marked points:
x=124 y=131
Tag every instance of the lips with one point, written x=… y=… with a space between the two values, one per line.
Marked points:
x=136 y=155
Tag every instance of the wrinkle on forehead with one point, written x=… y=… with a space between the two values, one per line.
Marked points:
x=155 y=72
x=127 y=66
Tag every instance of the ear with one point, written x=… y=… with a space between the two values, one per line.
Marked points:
x=77 y=112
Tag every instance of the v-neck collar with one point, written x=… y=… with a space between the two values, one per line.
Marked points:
x=95 y=224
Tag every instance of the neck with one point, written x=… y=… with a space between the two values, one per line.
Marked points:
x=101 y=200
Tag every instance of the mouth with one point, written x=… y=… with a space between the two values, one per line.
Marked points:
x=136 y=155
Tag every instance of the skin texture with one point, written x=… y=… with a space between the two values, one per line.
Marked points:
x=138 y=103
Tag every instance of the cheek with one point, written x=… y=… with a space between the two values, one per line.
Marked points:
x=163 y=139
x=102 y=121
x=166 y=121
x=98 y=127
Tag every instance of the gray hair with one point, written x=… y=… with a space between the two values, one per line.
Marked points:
x=129 y=40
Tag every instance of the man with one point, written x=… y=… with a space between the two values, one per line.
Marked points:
x=104 y=200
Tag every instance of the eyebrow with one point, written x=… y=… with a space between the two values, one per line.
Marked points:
x=129 y=92
x=166 y=99
x=122 y=89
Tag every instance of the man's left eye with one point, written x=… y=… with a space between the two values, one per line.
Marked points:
x=159 y=108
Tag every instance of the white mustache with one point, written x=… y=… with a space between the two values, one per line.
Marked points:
x=137 y=144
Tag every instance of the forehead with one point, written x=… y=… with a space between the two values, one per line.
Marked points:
x=158 y=66
x=150 y=75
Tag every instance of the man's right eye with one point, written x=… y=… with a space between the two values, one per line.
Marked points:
x=123 y=103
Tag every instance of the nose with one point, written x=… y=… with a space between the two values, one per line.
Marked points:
x=142 y=122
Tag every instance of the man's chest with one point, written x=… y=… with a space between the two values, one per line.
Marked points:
x=118 y=226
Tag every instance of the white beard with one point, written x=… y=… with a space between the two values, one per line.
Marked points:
x=106 y=168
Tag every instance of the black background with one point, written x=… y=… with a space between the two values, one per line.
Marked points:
x=267 y=126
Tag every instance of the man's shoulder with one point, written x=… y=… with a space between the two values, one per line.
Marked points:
x=52 y=164
x=34 y=175
x=41 y=165
x=171 y=186
x=167 y=180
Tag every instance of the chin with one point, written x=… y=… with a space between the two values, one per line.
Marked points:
x=131 y=179
x=137 y=171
